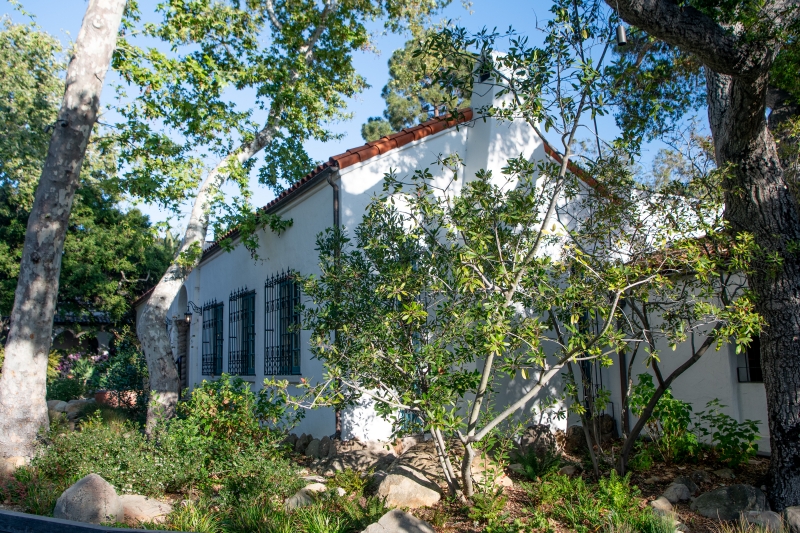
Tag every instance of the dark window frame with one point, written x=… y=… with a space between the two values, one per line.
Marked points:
x=282 y=325
x=242 y=333
x=752 y=373
x=212 y=337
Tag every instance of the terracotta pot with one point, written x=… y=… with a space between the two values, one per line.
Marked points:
x=112 y=398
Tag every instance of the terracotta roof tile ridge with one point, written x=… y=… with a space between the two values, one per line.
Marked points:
x=360 y=154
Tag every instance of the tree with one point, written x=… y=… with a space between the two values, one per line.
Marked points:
x=737 y=45
x=441 y=298
x=23 y=411
x=109 y=254
x=184 y=116
x=415 y=91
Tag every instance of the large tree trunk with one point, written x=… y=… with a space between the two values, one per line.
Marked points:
x=23 y=412
x=758 y=198
x=151 y=327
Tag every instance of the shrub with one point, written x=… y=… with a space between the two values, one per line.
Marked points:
x=668 y=425
x=732 y=441
x=65 y=389
x=535 y=466
x=350 y=480
x=488 y=506
x=586 y=508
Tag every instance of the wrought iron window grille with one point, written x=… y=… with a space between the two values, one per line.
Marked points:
x=282 y=325
x=212 y=338
x=242 y=333
x=752 y=373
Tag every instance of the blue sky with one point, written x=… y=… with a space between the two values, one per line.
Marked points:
x=62 y=18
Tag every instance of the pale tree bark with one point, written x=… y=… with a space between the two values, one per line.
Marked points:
x=23 y=411
x=150 y=328
x=758 y=199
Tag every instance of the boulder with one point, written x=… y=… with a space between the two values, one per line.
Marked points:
x=661 y=505
x=517 y=468
x=791 y=518
x=302 y=443
x=700 y=476
x=397 y=521
x=539 y=438
x=9 y=464
x=405 y=487
x=76 y=407
x=54 y=415
x=766 y=520
x=686 y=480
x=290 y=440
x=359 y=460
x=569 y=470
x=305 y=496
x=137 y=509
x=725 y=473
x=575 y=440
x=91 y=499
x=56 y=405
x=403 y=444
x=312 y=450
x=484 y=469
x=324 y=446
x=677 y=492
x=728 y=503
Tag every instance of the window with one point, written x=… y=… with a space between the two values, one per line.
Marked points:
x=282 y=325
x=242 y=333
x=752 y=373
x=212 y=339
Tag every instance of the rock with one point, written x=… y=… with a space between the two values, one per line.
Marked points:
x=341 y=492
x=652 y=480
x=685 y=480
x=767 y=520
x=661 y=505
x=312 y=450
x=405 y=487
x=700 y=476
x=517 y=468
x=324 y=446
x=397 y=521
x=76 y=407
x=791 y=518
x=359 y=460
x=302 y=443
x=725 y=473
x=54 y=415
x=539 y=438
x=9 y=464
x=677 y=492
x=568 y=470
x=402 y=445
x=305 y=496
x=91 y=499
x=314 y=479
x=728 y=503
x=575 y=440
x=290 y=440
x=137 y=509
x=57 y=405
x=483 y=469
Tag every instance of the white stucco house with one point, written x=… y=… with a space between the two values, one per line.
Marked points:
x=241 y=308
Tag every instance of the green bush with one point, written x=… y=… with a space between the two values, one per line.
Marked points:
x=668 y=425
x=535 y=466
x=488 y=506
x=65 y=389
x=732 y=441
x=588 y=508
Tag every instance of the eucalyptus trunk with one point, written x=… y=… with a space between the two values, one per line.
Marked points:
x=23 y=411
x=758 y=197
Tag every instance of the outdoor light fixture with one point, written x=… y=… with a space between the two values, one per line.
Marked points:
x=622 y=39
x=190 y=308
